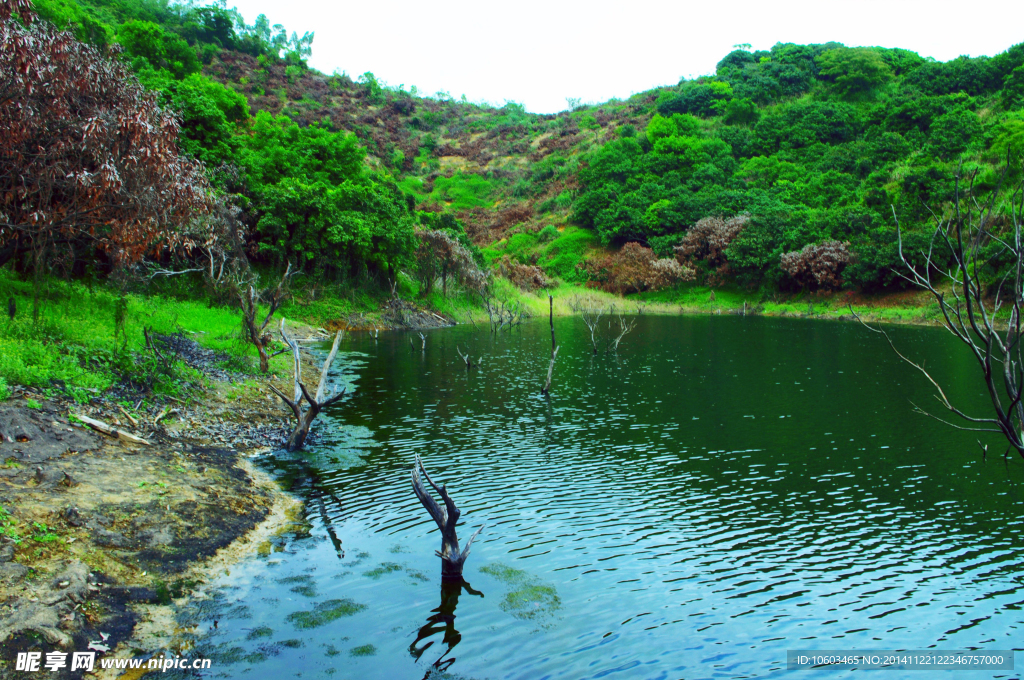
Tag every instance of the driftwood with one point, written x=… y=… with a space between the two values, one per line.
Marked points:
x=452 y=559
x=554 y=348
x=304 y=419
x=100 y=426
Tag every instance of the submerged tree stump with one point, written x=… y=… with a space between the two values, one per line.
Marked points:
x=452 y=559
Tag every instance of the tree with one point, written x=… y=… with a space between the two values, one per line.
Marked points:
x=971 y=312
x=853 y=72
x=818 y=266
x=88 y=159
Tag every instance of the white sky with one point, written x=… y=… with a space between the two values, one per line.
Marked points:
x=538 y=52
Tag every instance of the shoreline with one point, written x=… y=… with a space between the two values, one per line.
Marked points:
x=104 y=540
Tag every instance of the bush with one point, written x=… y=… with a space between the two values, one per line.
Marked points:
x=817 y=266
x=635 y=269
x=708 y=239
x=526 y=277
x=547 y=234
x=563 y=256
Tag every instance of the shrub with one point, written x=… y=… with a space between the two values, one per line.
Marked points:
x=817 y=266
x=635 y=269
x=526 y=277
x=708 y=239
x=547 y=234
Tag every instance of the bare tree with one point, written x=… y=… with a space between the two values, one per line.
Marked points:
x=317 y=403
x=624 y=328
x=250 y=299
x=554 y=348
x=968 y=239
x=592 y=317
x=503 y=313
x=452 y=559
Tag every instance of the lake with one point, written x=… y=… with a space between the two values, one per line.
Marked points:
x=719 y=491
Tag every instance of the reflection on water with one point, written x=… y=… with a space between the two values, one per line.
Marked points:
x=442 y=622
x=722 y=490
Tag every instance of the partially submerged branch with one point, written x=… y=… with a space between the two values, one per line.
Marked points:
x=592 y=317
x=554 y=348
x=446 y=518
x=465 y=358
x=624 y=328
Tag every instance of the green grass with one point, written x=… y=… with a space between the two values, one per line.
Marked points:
x=74 y=340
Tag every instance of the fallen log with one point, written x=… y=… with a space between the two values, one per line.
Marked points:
x=100 y=426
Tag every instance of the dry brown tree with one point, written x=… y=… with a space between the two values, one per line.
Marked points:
x=88 y=159
x=440 y=256
x=452 y=558
x=635 y=269
x=316 y=403
x=987 y=322
x=707 y=240
x=818 y=266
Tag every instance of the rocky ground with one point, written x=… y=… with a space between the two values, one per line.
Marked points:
x=96 y=529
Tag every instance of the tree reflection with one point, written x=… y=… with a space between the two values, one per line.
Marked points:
x=442 y=620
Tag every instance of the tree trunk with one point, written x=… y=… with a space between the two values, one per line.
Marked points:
x=452 y=559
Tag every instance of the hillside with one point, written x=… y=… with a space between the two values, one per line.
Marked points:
x=810 y=144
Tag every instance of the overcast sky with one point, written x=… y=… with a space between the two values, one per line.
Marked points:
x=539 y=52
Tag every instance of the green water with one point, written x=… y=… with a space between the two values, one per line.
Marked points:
x=719 y=491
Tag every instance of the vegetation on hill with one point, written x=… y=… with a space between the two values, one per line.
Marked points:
x=814 y=142
x=779 y=173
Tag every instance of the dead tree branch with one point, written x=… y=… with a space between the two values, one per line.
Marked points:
x=446 y=518
x=250 y=299
x=465 y=357
x=950 y=271
x=592 y=317
x=624 y=328
x=554 y=348
x=304 y=418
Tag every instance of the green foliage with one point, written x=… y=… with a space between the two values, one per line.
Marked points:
x=462 y=191
x=853 y=73
x=150 y=45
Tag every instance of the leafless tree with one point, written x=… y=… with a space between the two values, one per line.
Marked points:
x=317 y=403
x=625 y=326
x=452 y=559
x=250 y=299
x=592 y=317
x=502 y=313
x=973 y=314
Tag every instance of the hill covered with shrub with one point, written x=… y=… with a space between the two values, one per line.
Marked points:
x=804 y=151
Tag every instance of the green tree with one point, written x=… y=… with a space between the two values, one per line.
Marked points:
x=853 y=72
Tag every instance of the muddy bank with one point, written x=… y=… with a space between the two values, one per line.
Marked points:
x=101 y=535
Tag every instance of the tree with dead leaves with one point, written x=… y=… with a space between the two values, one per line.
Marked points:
x=88 y=159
